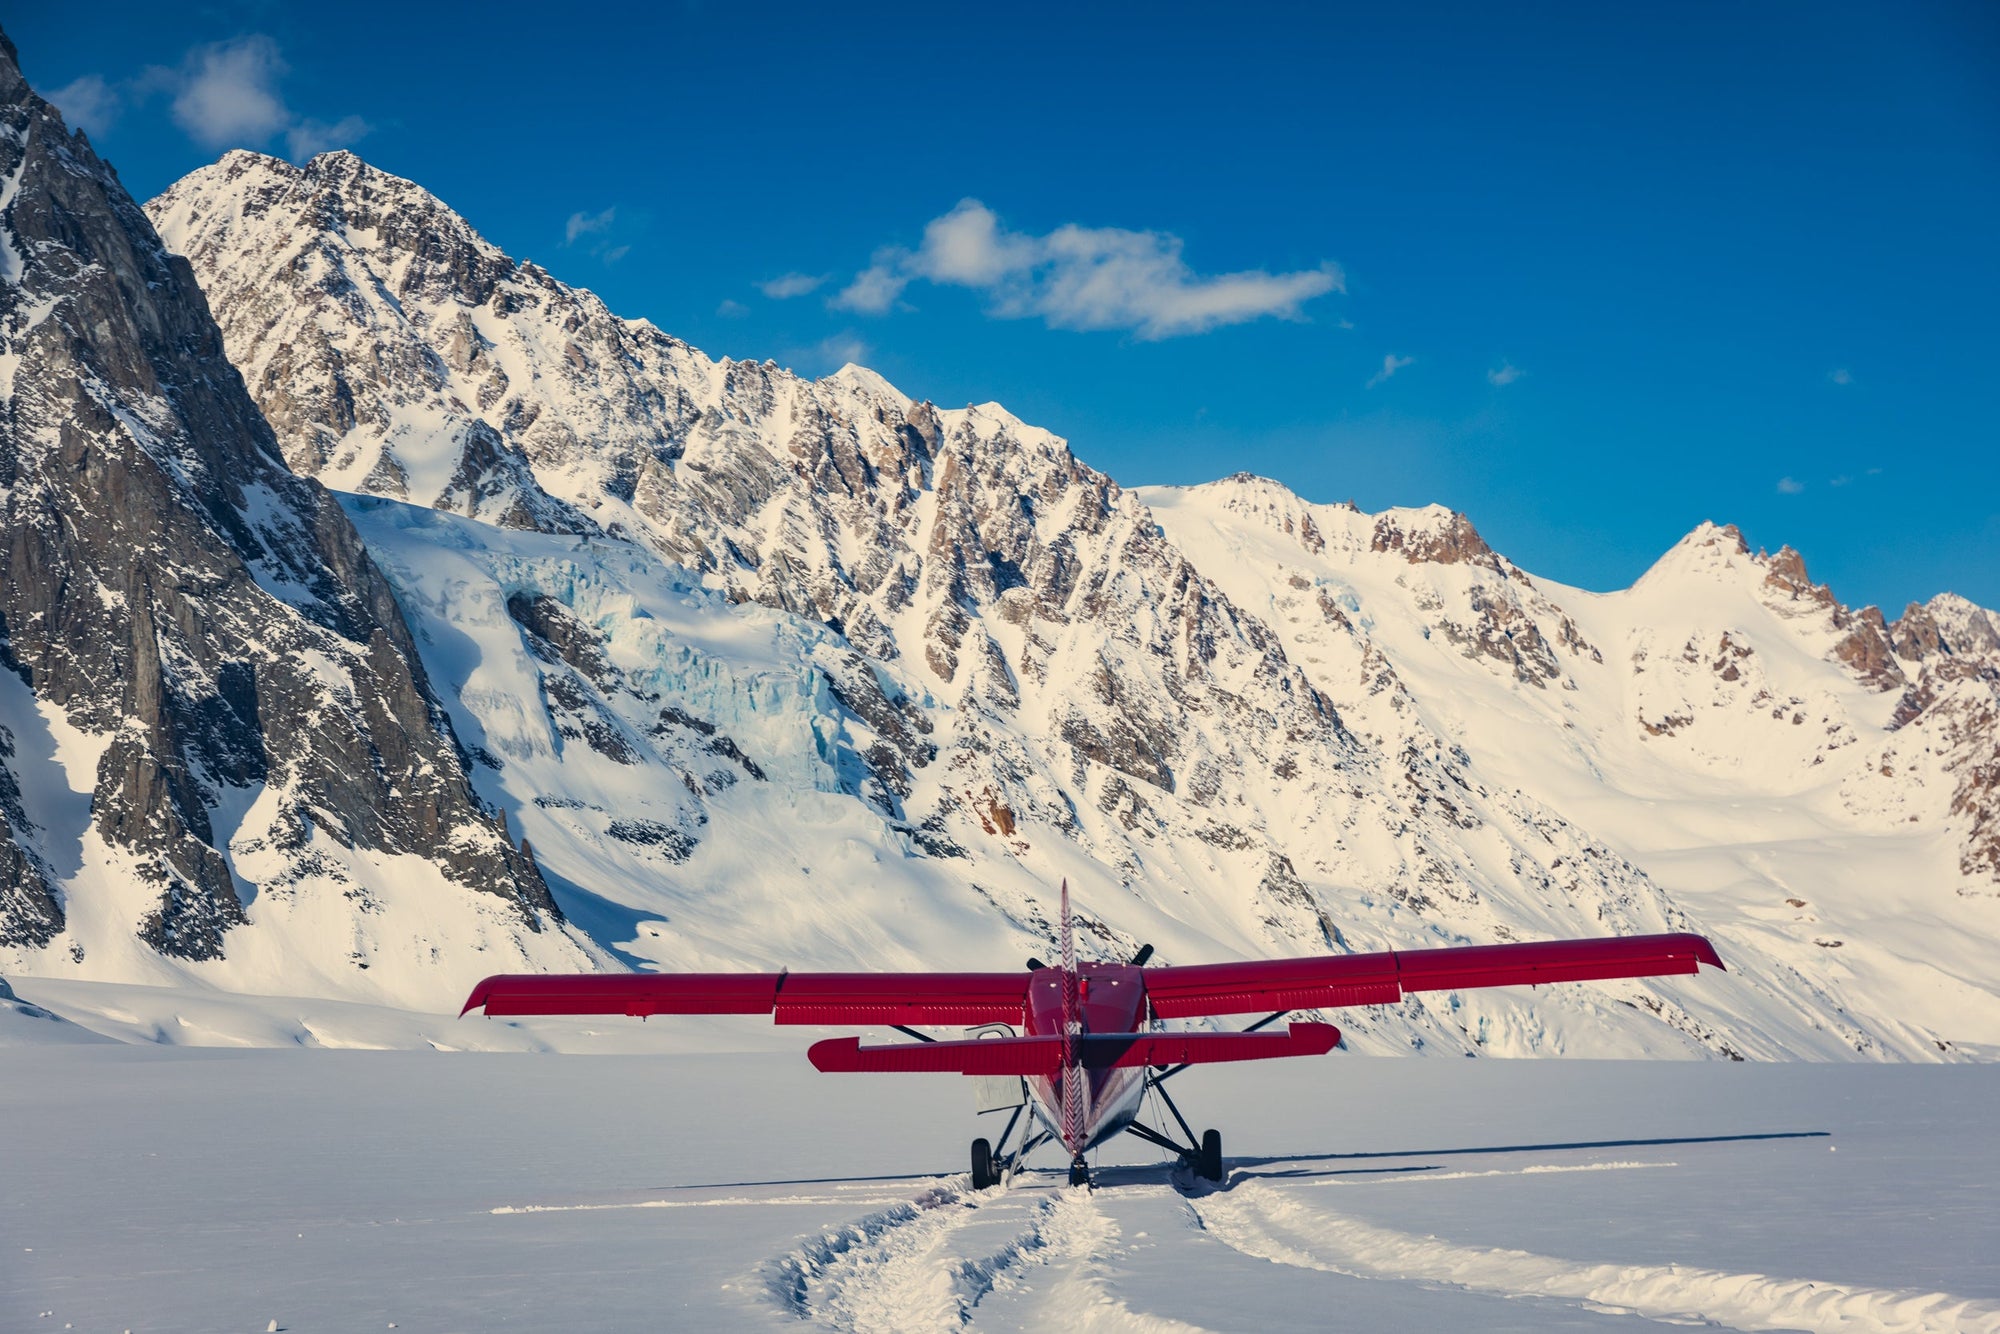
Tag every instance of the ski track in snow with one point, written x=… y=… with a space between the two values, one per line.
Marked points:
x=906 y=1268
x=1269 y=1224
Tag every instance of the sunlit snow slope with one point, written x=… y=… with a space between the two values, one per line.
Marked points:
x=1769 y=759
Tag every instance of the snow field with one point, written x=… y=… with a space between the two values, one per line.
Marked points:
x=176 y=1189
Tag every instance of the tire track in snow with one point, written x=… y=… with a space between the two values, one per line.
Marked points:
x=1079 y=1236
x=1266 y=1223
x=892 y=1271
x=895 y=1270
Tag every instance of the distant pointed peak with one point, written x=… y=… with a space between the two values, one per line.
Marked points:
x=861 y=378
x=1710 y=549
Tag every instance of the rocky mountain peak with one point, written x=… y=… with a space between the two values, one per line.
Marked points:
x=235 y=670
x=1433 y=535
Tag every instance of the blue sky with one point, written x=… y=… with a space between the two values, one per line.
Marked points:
x=1590 y=273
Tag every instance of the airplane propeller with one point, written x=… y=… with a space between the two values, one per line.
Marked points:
x=1138 y=960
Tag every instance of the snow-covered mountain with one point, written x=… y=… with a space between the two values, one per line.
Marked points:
x=220 y=757
x=774 y=671
x=1024 y=670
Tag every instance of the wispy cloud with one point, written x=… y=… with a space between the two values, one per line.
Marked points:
x=89 y=104
x=788 y=285
x=842 y=348
x=1503 y=375
x=732 y=309
x=1790 y=486
x=596 y=227
x=316 y=136
x=829 y=354
x=874 y=290
x=1390 y=365
x=221 y=95
x=228 y=92
x=1080 y=278
x=1841 y=376
x=588 y=224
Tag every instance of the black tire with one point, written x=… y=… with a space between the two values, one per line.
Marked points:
x=983 y=1174
x=1209 y=1166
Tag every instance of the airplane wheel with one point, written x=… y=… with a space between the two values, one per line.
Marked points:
x=983 y=1174
x=1209 y=1168
x=1079 y=1171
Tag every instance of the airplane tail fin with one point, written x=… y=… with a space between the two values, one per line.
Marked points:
x=1072 y=1069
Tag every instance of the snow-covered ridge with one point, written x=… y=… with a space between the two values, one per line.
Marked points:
x=782 y=671
x=1819 y=776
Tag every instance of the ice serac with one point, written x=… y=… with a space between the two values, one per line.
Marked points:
x=178 y=605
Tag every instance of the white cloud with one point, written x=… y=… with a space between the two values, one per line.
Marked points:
x=1504 y=374
x=1841 y=376
x=731 y=309
x=308 y=137
x=873 y=290
x=616 y=253
x=586 y=224
x=1790 y=486
x=228 y=92
x=222 y=95
x=788 y=285
x=88 y=104
x=1081 y=277
x=1390 y=365
x=842 y=348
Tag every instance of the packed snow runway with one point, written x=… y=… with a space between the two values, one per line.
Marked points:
x=178 y=1189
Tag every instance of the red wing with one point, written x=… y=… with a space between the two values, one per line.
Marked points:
x=1043 y=1055
x=1379 y=979
x=790 y=998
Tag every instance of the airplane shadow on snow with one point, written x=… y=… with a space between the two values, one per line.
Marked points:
x=1248 y=1166
x=1281 y=1165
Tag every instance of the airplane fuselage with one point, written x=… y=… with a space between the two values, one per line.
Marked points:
x=1111 y=998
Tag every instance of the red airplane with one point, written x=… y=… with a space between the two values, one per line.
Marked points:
x=1090 y=1044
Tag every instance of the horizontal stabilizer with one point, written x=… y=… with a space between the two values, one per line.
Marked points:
x=1043 y=1055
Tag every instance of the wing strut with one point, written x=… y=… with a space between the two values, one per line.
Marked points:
x=1165 y=1075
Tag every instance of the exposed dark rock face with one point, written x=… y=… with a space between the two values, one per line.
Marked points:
x=167 y=583
x=30 y=911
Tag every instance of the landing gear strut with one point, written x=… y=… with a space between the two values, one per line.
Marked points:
x=993 y=1164
x=1204 y=1159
